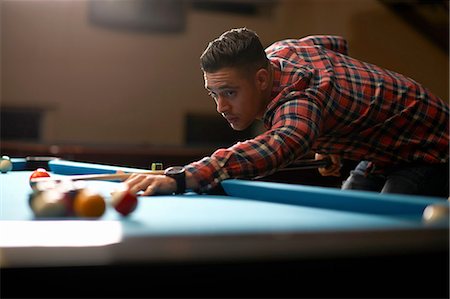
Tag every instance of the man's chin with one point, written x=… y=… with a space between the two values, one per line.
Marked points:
x=238 y=127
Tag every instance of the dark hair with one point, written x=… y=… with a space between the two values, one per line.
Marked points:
x=235 y=48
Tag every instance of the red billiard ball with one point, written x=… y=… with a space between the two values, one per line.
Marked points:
x=70 y=189
x=38 y=173
x=69 y=199
x=124 y=201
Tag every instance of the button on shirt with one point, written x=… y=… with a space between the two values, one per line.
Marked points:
x=325 y=101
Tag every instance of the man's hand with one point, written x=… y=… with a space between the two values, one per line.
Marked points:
x=151 y=184
x=156 y=184
x=334 y=169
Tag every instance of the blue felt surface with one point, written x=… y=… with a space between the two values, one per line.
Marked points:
x=18 y=164
x=206 y=214
x=332 y=198
x=66 y=167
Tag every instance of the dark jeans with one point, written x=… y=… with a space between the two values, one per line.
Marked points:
x=417 y=179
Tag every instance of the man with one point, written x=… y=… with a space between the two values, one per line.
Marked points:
x=312 y=96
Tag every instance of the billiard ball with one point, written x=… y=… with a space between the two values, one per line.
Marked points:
x=70 y=189
x=5 y=164
x=38 y=173
x=47 y=204
x=45 y=185
x=124 y=201
x=88 y=203
x=33 y=195
x=436 y=213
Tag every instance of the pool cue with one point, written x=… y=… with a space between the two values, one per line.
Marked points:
x=308 y=164
x=99 y=177
x=299 y=165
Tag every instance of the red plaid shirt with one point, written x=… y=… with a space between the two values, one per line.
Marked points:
x=328 y=102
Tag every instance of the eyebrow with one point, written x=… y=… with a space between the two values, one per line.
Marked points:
x=223 y=87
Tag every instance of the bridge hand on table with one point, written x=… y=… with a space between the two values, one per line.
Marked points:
x=150 y=184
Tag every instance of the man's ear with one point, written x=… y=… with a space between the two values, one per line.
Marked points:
x=262 y=78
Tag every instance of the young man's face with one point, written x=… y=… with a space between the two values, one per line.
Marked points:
x=239 y=96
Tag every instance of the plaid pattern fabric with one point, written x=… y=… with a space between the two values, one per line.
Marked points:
x=330 y=103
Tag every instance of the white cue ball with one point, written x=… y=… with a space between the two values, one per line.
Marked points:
x=436 y=213
x=5 y=164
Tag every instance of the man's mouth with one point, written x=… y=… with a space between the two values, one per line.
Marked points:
x=231 y=119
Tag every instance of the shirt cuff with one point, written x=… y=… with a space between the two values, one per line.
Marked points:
x=208 y=174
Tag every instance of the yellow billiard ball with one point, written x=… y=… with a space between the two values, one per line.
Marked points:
x=5 y=164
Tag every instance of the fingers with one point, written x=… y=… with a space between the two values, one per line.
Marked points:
x=334 y=169
x=334 y=172
x=149 y=191
x=150 y=184
x=140 y=182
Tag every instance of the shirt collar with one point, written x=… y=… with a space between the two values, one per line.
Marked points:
x=276 y=79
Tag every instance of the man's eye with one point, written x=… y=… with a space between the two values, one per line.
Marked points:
x=230 y=93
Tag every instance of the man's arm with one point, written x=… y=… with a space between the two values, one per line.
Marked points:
x=330 y=42
x=295 y=126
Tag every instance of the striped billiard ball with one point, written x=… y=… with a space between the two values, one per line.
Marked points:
x=38 y=173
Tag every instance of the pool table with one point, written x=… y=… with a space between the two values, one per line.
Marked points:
x=248 y=238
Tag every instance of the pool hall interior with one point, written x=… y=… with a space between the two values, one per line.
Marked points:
x=119 y=82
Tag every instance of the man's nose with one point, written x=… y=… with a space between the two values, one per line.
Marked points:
x=222 y=105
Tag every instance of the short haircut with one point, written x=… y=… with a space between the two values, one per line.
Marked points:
x=237 y=48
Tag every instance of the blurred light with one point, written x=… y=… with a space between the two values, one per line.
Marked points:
x=76 y=233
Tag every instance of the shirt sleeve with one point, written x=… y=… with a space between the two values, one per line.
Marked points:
x=294 y=129
x=330 y=42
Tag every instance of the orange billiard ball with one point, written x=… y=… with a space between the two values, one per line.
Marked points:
x=38 y=173
x=88 y=203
